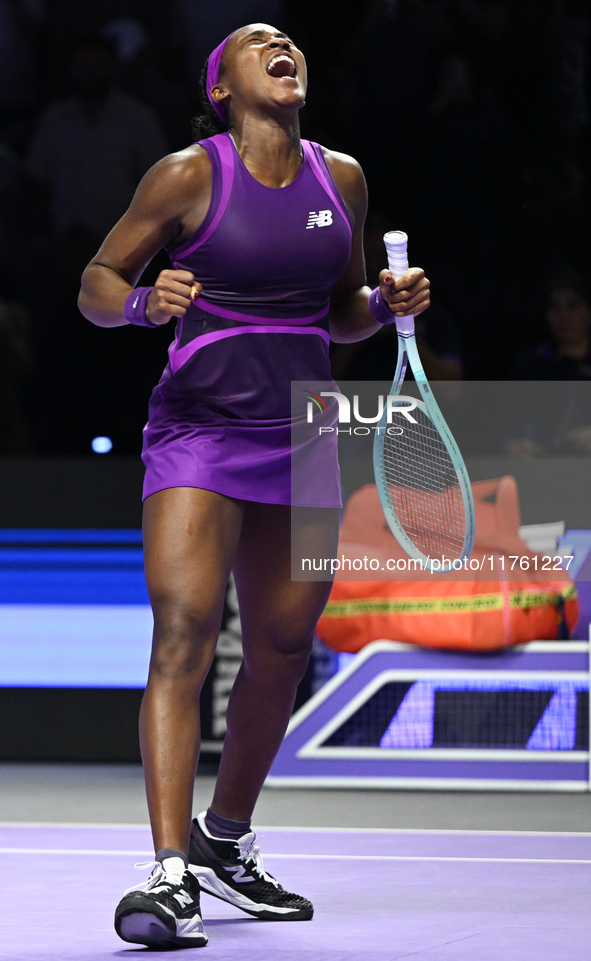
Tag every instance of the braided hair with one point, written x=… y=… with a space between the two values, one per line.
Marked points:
x=206 y=123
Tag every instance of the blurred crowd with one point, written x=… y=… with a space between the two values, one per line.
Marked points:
x=471 y=119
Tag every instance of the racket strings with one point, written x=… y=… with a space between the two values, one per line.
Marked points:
x=424 y=488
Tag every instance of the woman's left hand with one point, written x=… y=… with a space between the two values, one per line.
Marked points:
x=409 y=295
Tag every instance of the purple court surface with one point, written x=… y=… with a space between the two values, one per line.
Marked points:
x=379 y=895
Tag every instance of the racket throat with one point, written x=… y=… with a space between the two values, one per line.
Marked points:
x=401 y=365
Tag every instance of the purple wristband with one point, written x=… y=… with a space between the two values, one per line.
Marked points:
x=135 y=307
x=379 y=309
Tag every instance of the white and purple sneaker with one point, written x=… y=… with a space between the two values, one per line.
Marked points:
x=165 y=910
x=233 y=871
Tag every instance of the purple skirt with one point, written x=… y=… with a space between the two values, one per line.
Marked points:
x=271 y=462
x=231 y=415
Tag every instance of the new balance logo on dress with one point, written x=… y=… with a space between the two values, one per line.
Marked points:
x=321 y=219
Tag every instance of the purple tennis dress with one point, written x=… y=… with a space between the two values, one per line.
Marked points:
x=221 y=417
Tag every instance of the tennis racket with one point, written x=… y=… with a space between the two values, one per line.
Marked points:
x=420 y=474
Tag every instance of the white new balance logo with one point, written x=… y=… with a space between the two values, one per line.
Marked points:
x=238 y=874
x=321 y=219
x=183 y=898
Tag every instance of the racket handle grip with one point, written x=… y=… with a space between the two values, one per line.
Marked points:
x=396 y=242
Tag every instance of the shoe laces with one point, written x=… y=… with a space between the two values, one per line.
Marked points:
x=250 y=851
x=158 y=880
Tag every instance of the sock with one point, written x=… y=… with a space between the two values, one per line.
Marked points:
x=221 y=827
x=173 y=861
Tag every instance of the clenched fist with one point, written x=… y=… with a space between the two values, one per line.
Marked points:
x=172 y=295
x=409 y=295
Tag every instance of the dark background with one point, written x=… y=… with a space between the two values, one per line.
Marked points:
x=470 y=118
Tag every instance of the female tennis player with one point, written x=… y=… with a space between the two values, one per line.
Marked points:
x=264 y=233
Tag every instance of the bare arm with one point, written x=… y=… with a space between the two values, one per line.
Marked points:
x=350 y=319
x=169 y=204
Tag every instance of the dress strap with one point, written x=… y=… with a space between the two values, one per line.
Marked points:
x=315 y=157
x=220 y=151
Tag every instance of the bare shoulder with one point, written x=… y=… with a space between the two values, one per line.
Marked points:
x=348 y=176
x=343 y=165
x=179 y=179
x=335 y=156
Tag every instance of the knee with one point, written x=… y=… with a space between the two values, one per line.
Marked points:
x=296 y=663
x=281 y=659
x=183 y=645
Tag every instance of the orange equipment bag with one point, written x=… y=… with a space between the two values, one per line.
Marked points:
x=477 y=613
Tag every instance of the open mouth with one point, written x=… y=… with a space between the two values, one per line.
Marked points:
x=282 y=65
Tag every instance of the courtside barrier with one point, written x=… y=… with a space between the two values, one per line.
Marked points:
x=401 y=716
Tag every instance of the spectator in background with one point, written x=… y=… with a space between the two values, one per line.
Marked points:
x=556 y=418
x=90 y=150
x=87 y=155
x=71 y=21
x=151 y=72
x=566 y=354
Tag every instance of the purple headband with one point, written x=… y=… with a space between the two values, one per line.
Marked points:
x=213 y=76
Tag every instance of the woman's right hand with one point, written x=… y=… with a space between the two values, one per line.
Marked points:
x=172 y=295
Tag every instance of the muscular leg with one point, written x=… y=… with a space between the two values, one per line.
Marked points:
x=278 y=618
x=190 y=540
